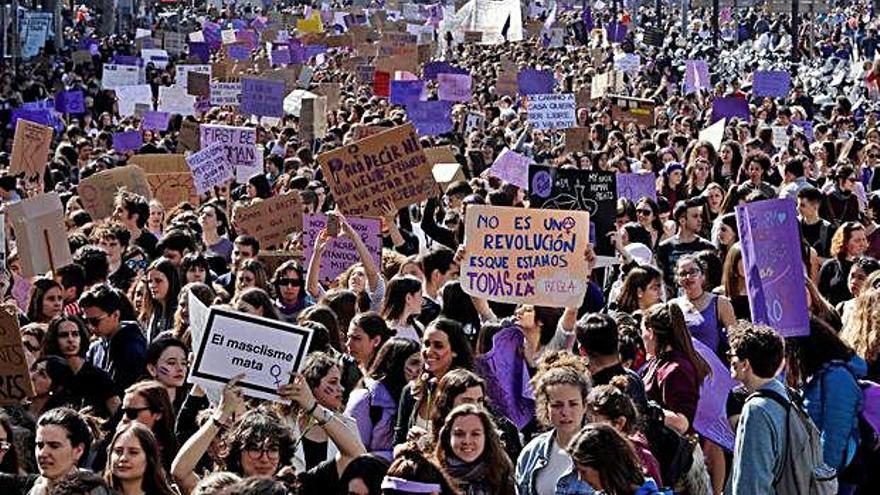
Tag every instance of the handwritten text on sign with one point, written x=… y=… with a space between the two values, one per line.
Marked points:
x=389 y=168
x=271 y=220
x=552 y=111
x=340 y=254
x=528 y=256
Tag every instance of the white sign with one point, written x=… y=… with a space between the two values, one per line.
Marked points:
x=116 y=75
x=628 y=62
x=35 y=29
x=174 y=42
x=156 y=56
x=174 y=99
x=265 y=351
x=129 y=96
x=552 y=111
x=714 y=134
x=183 y=70
x=240 y=144
x=209 y=168
x=225 y=94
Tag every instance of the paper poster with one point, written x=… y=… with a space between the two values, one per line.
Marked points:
x=155 y=121
x=512 y=168
x=594 y=191
x=714 y=134
x=271 y=220
x=175 y=100
x=552 y=111
x=262 y=97
x=181 y=74
x=14 y=371
x=225 y=94
x=531 y=81
x=30 y=149
x=340 y=253
x=265 y=350
x=209 y=168
x=525 y=255
x=696 y=76
x=240 y=144
x=72 y=102
x=775 y=83
x=403 y=92
x=430 y=118
x=454 y=87
x=115 y=75
x=127 y=141
x=388 y=168
x=636 y=186
x=98 y=191
x=771 y=249
x=129 y=96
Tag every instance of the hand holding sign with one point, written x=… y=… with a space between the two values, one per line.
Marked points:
x=298 y=391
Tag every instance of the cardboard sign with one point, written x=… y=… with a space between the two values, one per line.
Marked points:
x=432 y=117
x=170 y=179
x=271 y=220
x=240 y=144
x=552 y=111
x=594 y=191
x=40 y=234
x=526 y=255
x=626 y=109
x=636 y=186
x=189 y=135
x=389 y=168
x=262 y=97
x=225 y=94
x=209 y=168
x=771 y=248
x=30 y=149
x=198 y=83
x=265 y=350
x=340 y=253
x=98 y=191
x=15 y=377
x=333 y=92
x=313 y=118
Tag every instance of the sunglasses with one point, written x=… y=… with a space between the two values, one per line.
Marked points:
x=94 y=320
x=294 y=282
x=137 y=264
x=133 y=412
x=644 y=212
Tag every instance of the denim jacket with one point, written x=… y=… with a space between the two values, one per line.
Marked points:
x=533 y=458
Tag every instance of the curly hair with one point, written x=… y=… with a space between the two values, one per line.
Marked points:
x=256 y=427
x=841 y=238
x=560 y=368
x=861 y=329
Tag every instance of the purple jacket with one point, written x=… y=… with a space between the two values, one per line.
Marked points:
x=375 y=411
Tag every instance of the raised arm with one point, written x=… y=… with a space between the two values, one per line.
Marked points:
x=313 y=285
x=370 y=267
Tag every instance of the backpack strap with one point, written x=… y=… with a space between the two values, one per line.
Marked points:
x=786 y=404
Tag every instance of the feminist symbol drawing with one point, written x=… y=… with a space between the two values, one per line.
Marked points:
x=275 y=373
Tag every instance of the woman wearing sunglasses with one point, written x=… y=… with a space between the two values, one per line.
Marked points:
x=290 y=295
x=147 y=403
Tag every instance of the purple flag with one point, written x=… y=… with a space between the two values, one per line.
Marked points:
x=507 y=377
x=43 y=117
x=771 y=250
x=730 y=107
x=775 y=83
x=696 y=76
x=248 y=37
x=616 y=32
x=211 y=32
x=532 y=82
x=587 y=16
x=70 y=102
x=127 y=141
x=239 y=24
x=433 y=68
x=512 y=168
x=201 y=50
x=262 y=97
x=340 y=253
x=711 y=417
x=155 y=121
x=636 y=186
x=430 y=117
x=403 y=92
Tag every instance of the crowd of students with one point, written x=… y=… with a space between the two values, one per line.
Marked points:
x=412 y=386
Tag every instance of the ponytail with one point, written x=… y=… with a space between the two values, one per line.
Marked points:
x=667 y=321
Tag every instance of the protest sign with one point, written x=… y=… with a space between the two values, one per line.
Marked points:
x=431 y=117
x=127 y=141
x=30 y=149
x=155 y=56
x=454 y=87
x=552 y=111
x=174 y=99
x=444 y=165
x=97 y=191
x=636 y=186
x=525 y=255
x=333 y=92
x=771 y=250
x=169 y=177
x=710 y=420
x=155 y=121
x=714 y=134
x=615 y=32
x=340 y=253
x=225 y=94
x=115 y=75
x=403 y=92
x=628 y=62
x=780 y=137
x=15 y=377
x=127 y=97
x=696 y=76
x=189 y=135
x=173 y=42
x=198 y=83
x=512 y=168
x=40 y=234
x=381 y=83
x=35 y=29
x=240 y=144
x=262 y=97
x=531 y=81
x=182 y=72
x=775 y=83
x=626 y=109
x=271 y=220
x=209 y=168
x=265 y=350
x=577 y=139
x=70 y=102
x=594 y=191
x=389 y=168
x=313 y=118
x=730 y=107
x=473 y=121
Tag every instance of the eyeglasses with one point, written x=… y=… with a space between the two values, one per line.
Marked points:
x=295 y=282
x=257 y=452
x=136 y=264
x=645 y=212
x=5 y=446
x=93 y=321
x=688 y=273
x=133 y=412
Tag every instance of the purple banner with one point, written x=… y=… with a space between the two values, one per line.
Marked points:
x=340 y=254
x=512 y=168
x=616 y=32
x=127 y=141
x=636 y=186
x=696 y=76
x=730 y=107
x=454 y=87
x=262 y=97
x=280 y=57
x=201 y=50
x=70 y=102
x=535 y=82
x=430 y=117
x=710 y=420
x=587 y=16
x=241 y=52
x=775 y=83
x=771 y=250
x=403 y=92
x=507 y=377
x=433 y=68
x=155 y=121
x=127 y=60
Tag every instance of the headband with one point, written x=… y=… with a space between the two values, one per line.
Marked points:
x=395 y=483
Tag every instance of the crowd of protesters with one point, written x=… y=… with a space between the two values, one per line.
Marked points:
x=399 y=392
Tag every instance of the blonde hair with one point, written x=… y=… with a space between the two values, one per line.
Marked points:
x=861 y=331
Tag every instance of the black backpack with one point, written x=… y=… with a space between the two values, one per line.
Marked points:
x=674 y=452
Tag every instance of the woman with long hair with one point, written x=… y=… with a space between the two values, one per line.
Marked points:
x=375 y=406
x=367 y=332
x=289 y=281
x=163 y=284
x=134 y=465
x=675 y=370
x=68 y=338
x=642 y=288
x=470 y=452
x=402 y=303
x=733 y=282
x=727 y=169
x=561 y=389
x=648 y=216
x=725 y=233
x=195 y=268
x=255 y=301
x=708 y=314
x=147 y=403
x=714 y=207
x=862 y=330
x=215 y=230
x=9 y=461
x=698 y=175
x=205 y=294
x=251 y=273
x=51 y=378
x=46 y=301
x=606 y=460
x=862 y=268
x=167 y=363
x=848 y=243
